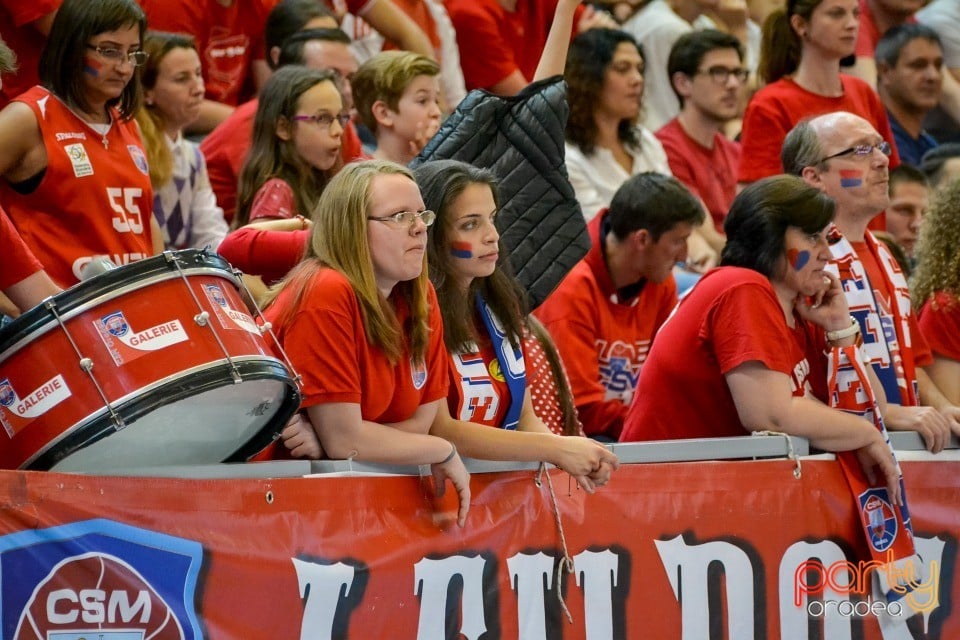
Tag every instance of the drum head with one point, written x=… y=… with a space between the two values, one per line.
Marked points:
x=198 y=419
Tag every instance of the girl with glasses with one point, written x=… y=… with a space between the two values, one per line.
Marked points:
x=76 y=181
x=183 y=203
x=360 y=321
x=297 y=133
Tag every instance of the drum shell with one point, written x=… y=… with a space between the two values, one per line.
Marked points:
x=173 y=341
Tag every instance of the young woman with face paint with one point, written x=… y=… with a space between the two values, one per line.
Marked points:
x=484 y=327
x=744 y=350
x=76 y=181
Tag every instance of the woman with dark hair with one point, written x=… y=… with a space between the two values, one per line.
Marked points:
x=605 y=142
x=743 y=351
x=76 y=181
x=183 y=201
x=800 y=56
x=484 y=326
x=935 y=289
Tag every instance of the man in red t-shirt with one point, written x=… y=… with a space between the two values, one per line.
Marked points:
x=605 y=313
x=226 y=147
x=707 y=74
x=842 y=154
x=500 y=41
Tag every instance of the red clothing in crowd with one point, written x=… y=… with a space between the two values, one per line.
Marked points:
x=356 y=7
x=228 y=39
x=227 y=146
x=274 y=200
x=94 y=197
x=268 y=254
x=731 y=316
x=18 y=262
x=494 y=43
x=603 y=338
x=710 y=174
x=869 y=34
x=328 y=347
x=778 y=107
x=940 y=324
x=478 y=391
x=26 y=42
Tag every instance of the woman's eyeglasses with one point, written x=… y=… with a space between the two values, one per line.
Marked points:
x=136 y=58
x=407 y=218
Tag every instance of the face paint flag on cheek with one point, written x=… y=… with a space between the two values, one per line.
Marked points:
x=851 y=178
x=798 y=259
x=461 y=250
x=91 y=67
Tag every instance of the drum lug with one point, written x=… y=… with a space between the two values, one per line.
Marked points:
x=202 y=318
x=86 y=364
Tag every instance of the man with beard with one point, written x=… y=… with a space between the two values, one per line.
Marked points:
x=707 y=75
x=909 y=81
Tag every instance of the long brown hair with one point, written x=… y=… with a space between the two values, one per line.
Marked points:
x=339 y=241
x=780 y=46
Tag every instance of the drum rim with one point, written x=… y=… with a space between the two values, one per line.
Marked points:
x=85 y=295
x=206 y=377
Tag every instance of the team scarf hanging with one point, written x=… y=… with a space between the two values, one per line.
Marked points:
x=511 y=363
x=886 y=526
x=892 y=360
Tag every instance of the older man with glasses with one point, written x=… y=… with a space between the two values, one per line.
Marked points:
x=843 y=155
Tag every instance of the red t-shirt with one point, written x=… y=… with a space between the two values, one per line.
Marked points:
x=731 y=316
x=478 y=391
x=776 y=108
x=940 y=324
x=94 y=198
x=494 y=43
x=226 y=148
x=602 y=338
x=18 y=262
x=710 y=174
x=228 y=39
x=274 y=200
x=26 y=42
x=328 y=347
x=268 y=254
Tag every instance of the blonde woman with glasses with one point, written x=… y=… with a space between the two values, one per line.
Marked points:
x=76 y=181
x=360 y=321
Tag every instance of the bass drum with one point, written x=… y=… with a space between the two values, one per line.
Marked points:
x=155 y=363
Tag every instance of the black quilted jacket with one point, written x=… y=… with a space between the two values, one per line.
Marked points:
x=520 y=139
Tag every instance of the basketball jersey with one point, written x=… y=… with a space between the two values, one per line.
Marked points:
x=94 y=199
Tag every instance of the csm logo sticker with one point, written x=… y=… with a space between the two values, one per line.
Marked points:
x=133 y=344
x=98 y=580
x=229 y=317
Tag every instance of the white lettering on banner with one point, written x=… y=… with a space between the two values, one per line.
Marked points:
x=687 y=568
x=596 y=573
x=65 y=606
x=527 y=573
x=431 y=580
x=321 y=585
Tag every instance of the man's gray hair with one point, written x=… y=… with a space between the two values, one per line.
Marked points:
x=8 y=59
x=801 y=148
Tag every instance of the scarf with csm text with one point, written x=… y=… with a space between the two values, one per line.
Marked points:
x=883 y=310
x=511 y=363
x=886 y=525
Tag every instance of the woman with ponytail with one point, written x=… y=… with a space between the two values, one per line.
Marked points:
x=800 y=56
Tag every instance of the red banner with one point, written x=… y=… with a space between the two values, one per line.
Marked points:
x=680 y=550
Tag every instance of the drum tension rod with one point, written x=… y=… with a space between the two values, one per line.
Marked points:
x=202 y=319
x=85 y=363
x=268 y=327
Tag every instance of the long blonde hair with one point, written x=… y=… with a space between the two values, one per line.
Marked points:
x=339 y=241
x=939 y=267
x=152 y=127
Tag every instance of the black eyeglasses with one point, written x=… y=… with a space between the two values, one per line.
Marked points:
x=325 y=120
x=136 y=58
x=721 y=74
x=861 y=151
